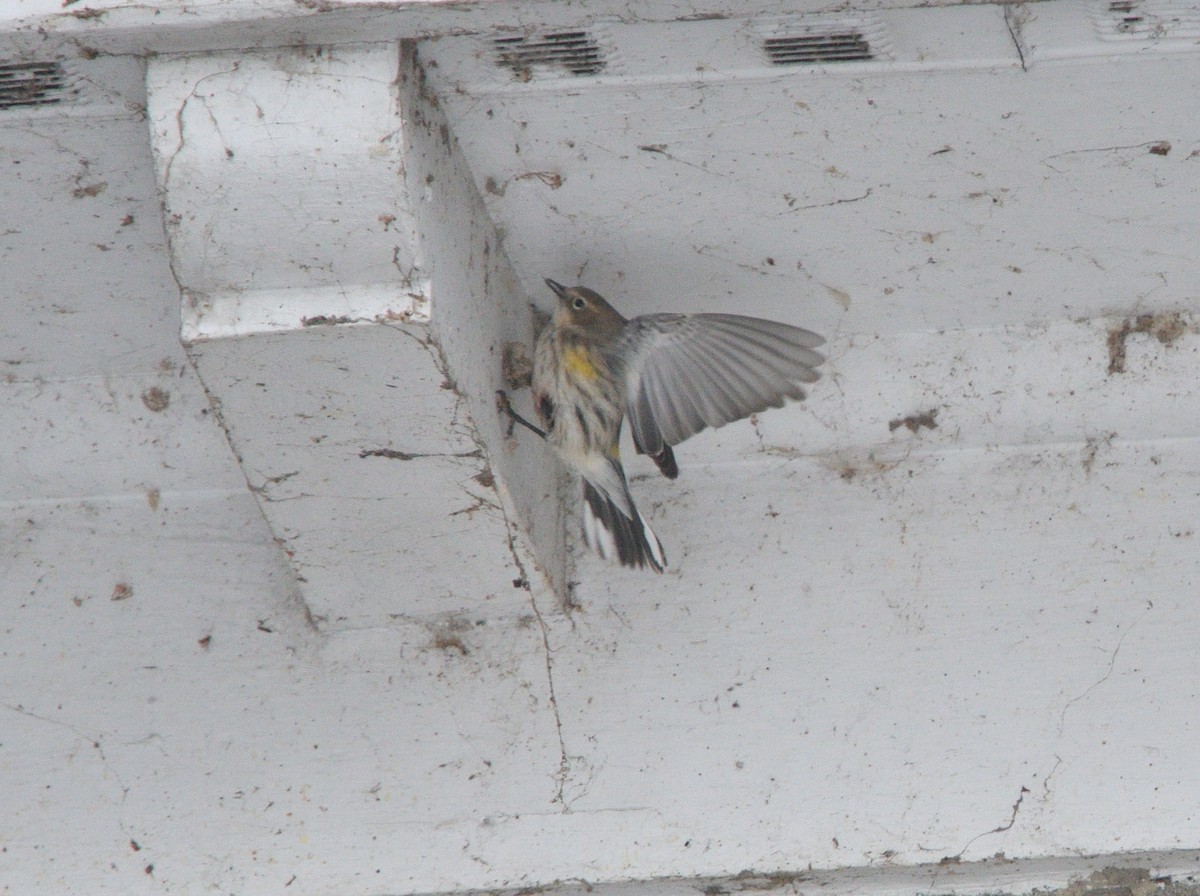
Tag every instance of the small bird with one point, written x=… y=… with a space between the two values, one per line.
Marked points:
x=671 y=375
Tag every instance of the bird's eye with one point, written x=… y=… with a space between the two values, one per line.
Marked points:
x=579 y=304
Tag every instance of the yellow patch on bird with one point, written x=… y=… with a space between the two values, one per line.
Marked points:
x=579 y=362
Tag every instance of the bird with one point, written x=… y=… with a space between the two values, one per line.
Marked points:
x=670 y=376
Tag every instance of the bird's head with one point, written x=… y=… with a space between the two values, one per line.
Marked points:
x=584 y=308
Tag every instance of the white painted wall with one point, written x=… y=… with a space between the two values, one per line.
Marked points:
x=272 y=664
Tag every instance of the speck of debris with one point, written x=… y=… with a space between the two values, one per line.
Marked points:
x=1114 y=881
x=389 y=453
x=914 y=422
x=840 y=296
x=654 y=147
x=205 y=642
x=152 y=498
x=485 y=478
x=749 y=880
x=127 y=220
x=325 y=320
x=1092 y=447
x=391 y=316
x=91 y=191
x=135 y=846
x=446 y=640
x=1165 y=326
x=156 y=399
x=516 y=366
x=552 y=179
x=705 y=17
x=121 y=591
x=490 y=185
x=88 y=13
x=393 y=454
x=1161 y=148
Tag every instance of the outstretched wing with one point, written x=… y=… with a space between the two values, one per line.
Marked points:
x=686 y=372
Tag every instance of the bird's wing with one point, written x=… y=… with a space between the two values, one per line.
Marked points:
x=686 y=372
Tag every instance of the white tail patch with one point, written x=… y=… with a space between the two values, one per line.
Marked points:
x=597 y=535
x=656 y=549
x=616 y=535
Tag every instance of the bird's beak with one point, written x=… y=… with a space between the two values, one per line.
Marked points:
x=559 y=289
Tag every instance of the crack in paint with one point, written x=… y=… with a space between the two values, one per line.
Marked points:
x=999 y=829
x=1058 y=760
x=393 y=454
x=95 y=742
x=564 y=761
x=1112 y=662
x=1015 y=17
x=171 y=221
x=803 y=208
x=295 y=592
x=563 y=771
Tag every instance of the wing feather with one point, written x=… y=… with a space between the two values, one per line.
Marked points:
x=662 y=411
x=717 y=398
x=733 y=381
x=688 y=372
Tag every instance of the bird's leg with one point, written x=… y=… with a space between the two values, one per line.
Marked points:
x=505 y=407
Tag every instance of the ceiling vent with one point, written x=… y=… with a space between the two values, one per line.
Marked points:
x=572 y=52
x=1146 y=20
x=31 y=84
x=824 y=42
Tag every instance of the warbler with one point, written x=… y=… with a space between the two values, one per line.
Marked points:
x=671 y=375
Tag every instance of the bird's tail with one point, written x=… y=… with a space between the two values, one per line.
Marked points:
x=616 y=529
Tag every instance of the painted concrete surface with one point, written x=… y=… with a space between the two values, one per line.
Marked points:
x=937 y=618
x=342 y=225
x=1126 y=874
x=869 y=202
x=370 y=449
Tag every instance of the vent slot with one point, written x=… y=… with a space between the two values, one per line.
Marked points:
x=1146 y=20
x=575 y=52
x=819 y=47
x=31 y=84
x=823 y=40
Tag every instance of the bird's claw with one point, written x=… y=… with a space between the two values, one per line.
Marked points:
x=503 y=406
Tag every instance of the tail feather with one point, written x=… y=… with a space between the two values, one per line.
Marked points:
x=613 y=535
x=665 y=458
x=666 y=462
